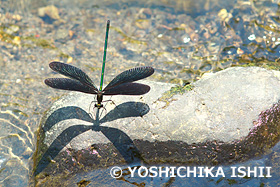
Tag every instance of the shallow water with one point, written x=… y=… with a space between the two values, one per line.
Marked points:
x=180 y=39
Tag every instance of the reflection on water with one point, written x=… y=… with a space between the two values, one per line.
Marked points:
x=181 y=39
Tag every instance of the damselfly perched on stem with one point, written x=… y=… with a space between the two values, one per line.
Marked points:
x=122 y=84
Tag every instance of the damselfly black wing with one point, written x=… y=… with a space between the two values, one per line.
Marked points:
x=130 y=75
x=128 y=88
x=70 y=84
x=72 y=72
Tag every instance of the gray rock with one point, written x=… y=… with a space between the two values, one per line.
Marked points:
x=227 y=117
x=222 y=106
x=61 y=35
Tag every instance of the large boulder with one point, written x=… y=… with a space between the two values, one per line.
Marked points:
x=223 y=118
